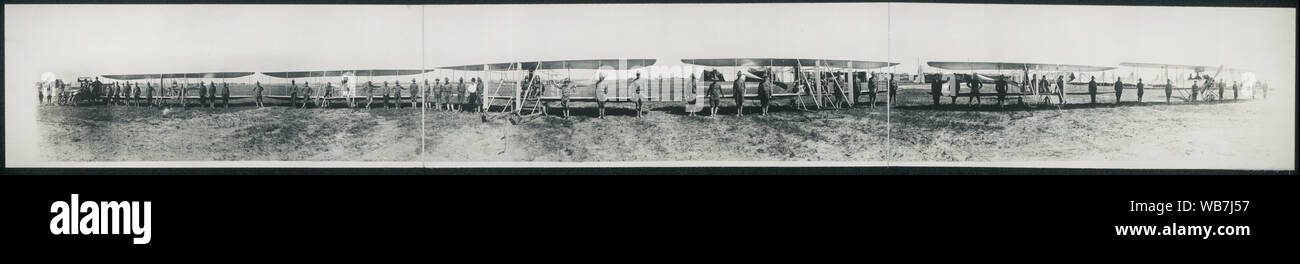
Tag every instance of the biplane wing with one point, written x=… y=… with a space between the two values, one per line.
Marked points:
x=1194 y=68
x=210 y=75
x=336 y=73
x=591 y=64
x=979 y=66
x=788 y=62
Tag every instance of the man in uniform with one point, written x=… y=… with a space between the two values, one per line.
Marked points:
x=1235 y=86
x=329 y=92
x=1060 y=89
x=1140 y=86
x=306 y=94
x=635 y=86
x=871 y=90
x=690 y=96
x=1092 y=88
x=180 y=94
x=387 y=92
x=212 y=94
x=974 y=85
x=738 y=90
x=397 y=94
x=203 y=94
x=600 y=96
x=857 y=89
x=936 y=89
x=1000 y=86
x=715 y=95
x=370 y=94
x=1119 y=89
x=257 y=93
x=435 y=95
x=565 y=91
x=1195 y=91
x=293 y=93
x=97 y=88
x=148 y=94
x=893 y=91
x=425 y=92
x=135 y=94
x=460 y=94
x=415 y=94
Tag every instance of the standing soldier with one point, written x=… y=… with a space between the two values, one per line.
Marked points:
x=212 y=94
x=636 y=94
x=459 y=95
x=306 y=94
x=1195 y=91
x=1140 y=90
x=329 y=92
x=600 y=96
x=565 y=91
x=97 y=88
x=387 y=91
x=477 y=89
x=974 y=85
x=856 y=87
x=257 y=93
x=893 y=90
x=738 y=90
x=435 y=94
x=1092 y=88
x=397 y=94
x=203 y=94
x=936 y=89
x=691 y=98
x=148 y=94
x=136 y=94
x=1235 y=86
x=1000 y=86
x=370 y=94
x=293 y=93
x=871 y=90
x=415 y=92
x=1060 y=89
x=445 y=93
x=1119 y=89
x=715 y=96
x=225 y=94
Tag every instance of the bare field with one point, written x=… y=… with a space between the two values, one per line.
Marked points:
x=915 y=131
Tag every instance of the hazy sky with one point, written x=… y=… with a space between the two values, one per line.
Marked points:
x=81 y=40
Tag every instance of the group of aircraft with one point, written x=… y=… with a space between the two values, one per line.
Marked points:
x=528 y=88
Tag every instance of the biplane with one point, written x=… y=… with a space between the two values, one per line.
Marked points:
x=1197 y=75
x=514 y=87
x=1018 y=85
x=341 y=85
x=791 y=78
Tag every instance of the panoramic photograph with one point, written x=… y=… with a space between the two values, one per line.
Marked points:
x=863 y=84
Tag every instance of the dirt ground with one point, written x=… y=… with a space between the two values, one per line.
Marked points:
x=912 y=131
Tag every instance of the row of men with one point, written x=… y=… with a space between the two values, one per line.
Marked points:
x=832 y=83
x=442 y=95
x=128 y=93
x=1044 y=87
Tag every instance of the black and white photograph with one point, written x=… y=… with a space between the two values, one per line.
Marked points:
x=659 y=85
